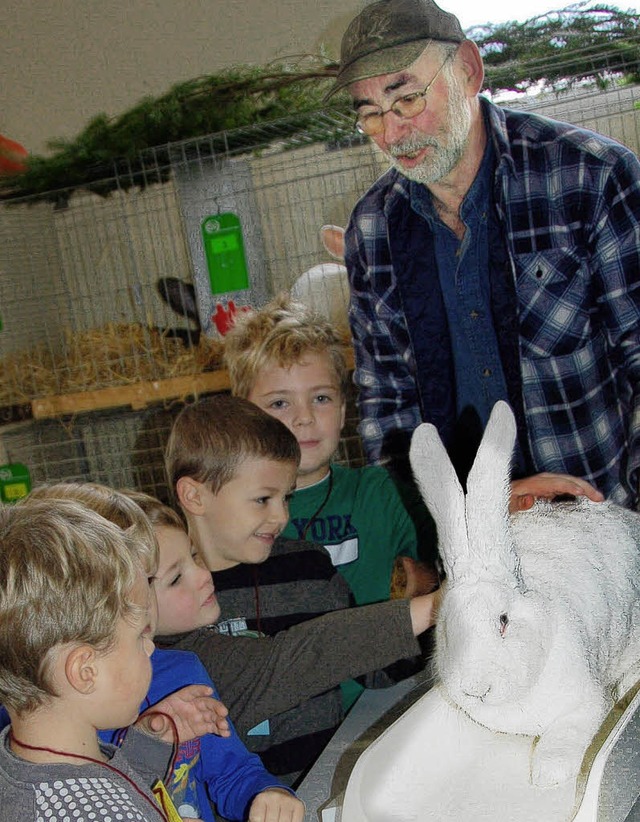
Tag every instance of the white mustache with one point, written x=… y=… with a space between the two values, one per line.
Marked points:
x=411 y=145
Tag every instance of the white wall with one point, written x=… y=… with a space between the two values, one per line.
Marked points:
x=64 y=61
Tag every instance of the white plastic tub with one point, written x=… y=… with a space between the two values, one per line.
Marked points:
x=435 y=764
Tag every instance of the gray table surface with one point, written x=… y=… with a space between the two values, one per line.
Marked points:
x=374 y=711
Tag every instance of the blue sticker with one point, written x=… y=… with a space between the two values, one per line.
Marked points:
x=261 y=729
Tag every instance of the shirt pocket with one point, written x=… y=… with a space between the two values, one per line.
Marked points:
x=553 y=301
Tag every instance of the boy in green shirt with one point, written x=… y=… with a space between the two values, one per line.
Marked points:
x=290 y=362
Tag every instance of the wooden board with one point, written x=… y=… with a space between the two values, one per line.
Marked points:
x=135 y=396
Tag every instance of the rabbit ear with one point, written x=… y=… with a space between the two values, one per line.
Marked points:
x=333 y=240
x=442 y=493
x=488 y=493
x=488 y=480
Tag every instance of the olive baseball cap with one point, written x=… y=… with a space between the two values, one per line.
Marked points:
x=389 y=35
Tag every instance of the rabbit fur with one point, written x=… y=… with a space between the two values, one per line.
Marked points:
x=540 y=620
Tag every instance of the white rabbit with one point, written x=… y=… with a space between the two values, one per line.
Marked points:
x=540 y=619
x=325 y=287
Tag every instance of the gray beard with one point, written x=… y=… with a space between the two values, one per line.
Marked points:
x=444 y=155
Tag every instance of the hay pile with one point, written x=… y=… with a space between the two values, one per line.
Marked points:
x=112 y=355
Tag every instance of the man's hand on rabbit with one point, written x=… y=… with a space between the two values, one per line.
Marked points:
x=193 y=710
x=524 y=492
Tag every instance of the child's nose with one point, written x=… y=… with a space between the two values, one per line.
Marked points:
x=303 y=414
x=204 y=577
x=280 y=513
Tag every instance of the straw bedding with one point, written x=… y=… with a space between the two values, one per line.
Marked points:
x=112 y=355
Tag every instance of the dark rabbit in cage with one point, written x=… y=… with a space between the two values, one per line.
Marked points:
x=181 y=297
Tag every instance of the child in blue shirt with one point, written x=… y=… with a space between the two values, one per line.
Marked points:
x=208 y=769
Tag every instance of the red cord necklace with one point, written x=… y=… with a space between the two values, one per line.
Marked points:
x=15 y=740
x=320 y=508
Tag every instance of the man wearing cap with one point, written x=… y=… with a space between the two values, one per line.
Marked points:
x=498 y=258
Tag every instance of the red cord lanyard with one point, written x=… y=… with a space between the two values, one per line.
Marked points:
x=20 y=744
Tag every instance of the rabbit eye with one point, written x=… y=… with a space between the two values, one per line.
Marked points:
x=504 y=621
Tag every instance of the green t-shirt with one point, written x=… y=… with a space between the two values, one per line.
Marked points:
x=359 y=516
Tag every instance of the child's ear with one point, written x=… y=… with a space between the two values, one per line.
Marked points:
x=343 y=413
x=189 y=495
x=81 y=668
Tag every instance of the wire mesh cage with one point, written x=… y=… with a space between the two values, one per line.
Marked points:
x=95 y=347
x=96 y=356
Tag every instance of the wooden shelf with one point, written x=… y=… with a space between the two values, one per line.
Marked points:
x=135 y=396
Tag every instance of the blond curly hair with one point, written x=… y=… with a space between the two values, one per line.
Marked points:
x=280 y=333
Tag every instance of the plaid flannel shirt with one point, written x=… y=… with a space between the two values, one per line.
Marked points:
x=569 y=204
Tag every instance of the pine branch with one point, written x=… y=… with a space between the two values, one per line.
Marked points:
x=237 y=98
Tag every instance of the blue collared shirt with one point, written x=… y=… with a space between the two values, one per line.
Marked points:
x=463 y=271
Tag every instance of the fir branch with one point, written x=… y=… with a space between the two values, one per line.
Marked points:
x=237 y=98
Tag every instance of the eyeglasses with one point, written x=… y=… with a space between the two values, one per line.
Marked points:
x=405 y=107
